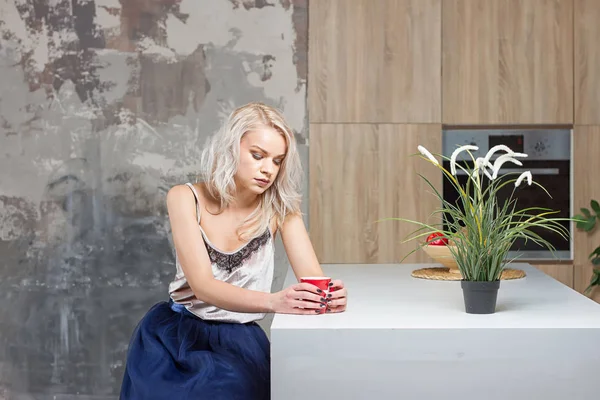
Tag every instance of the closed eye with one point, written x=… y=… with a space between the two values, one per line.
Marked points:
x=256 y=156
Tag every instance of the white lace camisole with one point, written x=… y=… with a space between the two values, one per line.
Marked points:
x=249 y=267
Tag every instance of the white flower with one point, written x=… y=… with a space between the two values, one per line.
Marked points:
x=526 y=174
x=427 y=154
x=494 y=149
x=501 y=160
x=519 y=155
x=482 y=164
x=455 y=154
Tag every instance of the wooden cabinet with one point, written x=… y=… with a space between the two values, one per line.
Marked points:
x=360 y=173
x=587 y=62
x=561 y=272
x=375 y=61
x=586 y=187
x=384 y=75
x=507 y=62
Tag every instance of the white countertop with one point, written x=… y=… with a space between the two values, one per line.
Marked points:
x=385 y=296
x=409 y=338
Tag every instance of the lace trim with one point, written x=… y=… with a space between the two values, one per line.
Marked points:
x=231 y=262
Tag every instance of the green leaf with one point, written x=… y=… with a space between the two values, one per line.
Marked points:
x=580 y=220
x=596 y=252
x=589 y=224
x=595 y=207
x=594 y=281
x=596 y=261
x=595 y=278
x=586 y=212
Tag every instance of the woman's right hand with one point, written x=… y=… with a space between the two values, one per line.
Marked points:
x=301 y=298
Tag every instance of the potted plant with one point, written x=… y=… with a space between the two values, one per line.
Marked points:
x=587 y=222
x=481 y=228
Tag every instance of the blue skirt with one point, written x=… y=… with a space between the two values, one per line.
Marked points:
x=173 y=354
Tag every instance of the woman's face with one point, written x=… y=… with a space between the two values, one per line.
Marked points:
x=262 y=151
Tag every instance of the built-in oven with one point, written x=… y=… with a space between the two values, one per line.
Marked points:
x=549 y=160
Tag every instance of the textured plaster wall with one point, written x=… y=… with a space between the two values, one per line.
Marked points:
x=104 y=105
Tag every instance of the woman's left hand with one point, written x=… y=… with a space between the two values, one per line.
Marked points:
x=337 y=298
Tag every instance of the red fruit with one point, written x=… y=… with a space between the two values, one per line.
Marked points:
x=442 y=241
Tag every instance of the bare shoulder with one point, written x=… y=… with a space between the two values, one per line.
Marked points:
x=293 y=219
x=293 y=224
x=183 y=191
x=179 y=192
x=204 y=196
x=179 y=196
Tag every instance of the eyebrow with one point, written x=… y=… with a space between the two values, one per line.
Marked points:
x=266 y=152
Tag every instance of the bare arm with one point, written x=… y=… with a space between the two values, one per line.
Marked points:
x=305 y=263
x=298 y=247
x=196 y=266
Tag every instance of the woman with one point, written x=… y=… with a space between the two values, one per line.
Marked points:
x=205 y=342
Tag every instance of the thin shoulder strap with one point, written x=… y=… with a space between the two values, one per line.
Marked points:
x=197 y=200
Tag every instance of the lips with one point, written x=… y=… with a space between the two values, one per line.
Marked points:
x=262 y=182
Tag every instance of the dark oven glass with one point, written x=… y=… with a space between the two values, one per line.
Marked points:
x=552 y=175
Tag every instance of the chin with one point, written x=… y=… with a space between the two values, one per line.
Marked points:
x=255 y=188
x=258 y=190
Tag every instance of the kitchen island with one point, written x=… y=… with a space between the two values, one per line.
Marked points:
x=408 y=338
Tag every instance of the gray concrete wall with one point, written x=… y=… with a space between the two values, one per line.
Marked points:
x=104 y=105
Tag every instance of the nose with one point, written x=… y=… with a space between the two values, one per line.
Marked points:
x=267 y=168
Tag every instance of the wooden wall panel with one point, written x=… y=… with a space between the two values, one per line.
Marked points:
x=360 y=173
x=375 y=61
x=507 y=62
x=561 y=272
x=587 y=62
x=586 y=145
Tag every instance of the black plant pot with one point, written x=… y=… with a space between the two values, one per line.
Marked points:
x=480 y=296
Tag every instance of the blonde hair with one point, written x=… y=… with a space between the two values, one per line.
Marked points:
x=220 y=159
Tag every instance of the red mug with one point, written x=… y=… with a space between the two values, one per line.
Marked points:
x=322 y=282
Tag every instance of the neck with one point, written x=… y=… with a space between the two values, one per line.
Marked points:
x=245 y=200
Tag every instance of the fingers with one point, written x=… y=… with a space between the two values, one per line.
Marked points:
x=304 y=311
x=338 y=309
x=338 y=293
x=336 y=284
x=309 y=312
x=307 y=308
x=310 y=305
x=305 y=298
x=337 y=298
x=337 y=303
x=303 y=295
x=307 y=287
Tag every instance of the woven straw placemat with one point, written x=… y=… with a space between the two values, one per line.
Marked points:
x=444 y=274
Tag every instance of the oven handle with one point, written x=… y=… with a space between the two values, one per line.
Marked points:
x=534 y=171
